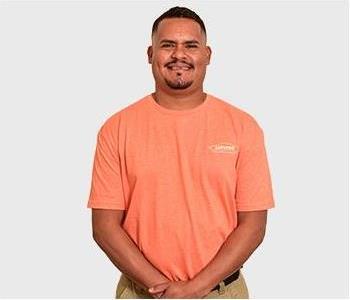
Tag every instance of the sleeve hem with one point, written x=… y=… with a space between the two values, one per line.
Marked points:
x=105 y=205
x=255 y=207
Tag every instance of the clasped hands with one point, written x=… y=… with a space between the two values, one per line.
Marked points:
x=175 y=289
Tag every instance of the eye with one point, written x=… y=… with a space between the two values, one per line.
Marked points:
x=192 y=46
x=166 y=45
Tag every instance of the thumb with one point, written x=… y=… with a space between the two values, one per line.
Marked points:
x=158 y=288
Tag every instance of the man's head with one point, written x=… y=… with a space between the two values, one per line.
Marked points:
x=179 y=54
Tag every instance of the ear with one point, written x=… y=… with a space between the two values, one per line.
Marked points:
x=208 y=50
x=149 y=54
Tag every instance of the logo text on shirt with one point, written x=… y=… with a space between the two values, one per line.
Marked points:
x=223 y=148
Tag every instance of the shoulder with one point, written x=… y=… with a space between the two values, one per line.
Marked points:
x=241 y=118
x=115 y=120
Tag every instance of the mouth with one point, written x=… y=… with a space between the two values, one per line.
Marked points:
x=179 y=67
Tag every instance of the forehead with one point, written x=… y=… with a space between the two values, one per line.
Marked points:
x=179 y=29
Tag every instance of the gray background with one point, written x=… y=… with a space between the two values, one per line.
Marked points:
x=66 y=66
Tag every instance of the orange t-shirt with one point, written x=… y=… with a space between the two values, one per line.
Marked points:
x=181 y=176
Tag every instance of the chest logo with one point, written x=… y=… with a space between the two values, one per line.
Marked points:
x=223 y=148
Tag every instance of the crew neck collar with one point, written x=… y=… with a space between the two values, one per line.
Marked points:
x=176 y=112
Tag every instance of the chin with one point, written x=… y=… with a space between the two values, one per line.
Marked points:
x=178 y=85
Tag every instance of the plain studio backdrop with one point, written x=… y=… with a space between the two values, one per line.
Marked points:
x=67 y=66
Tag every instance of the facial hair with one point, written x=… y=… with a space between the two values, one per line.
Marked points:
x=178 y=83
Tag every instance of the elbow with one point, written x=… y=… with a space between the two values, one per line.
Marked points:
x=256 y=235
x=101 y=234
x=97 y=235
x=260 y=235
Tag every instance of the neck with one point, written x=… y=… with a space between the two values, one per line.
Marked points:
x=180 y=101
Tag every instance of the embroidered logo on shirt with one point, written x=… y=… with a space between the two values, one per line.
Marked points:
x=223 y=148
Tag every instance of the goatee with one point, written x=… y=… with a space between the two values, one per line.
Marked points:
x=178 y=84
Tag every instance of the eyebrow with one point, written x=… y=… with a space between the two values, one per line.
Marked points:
x=173 y=42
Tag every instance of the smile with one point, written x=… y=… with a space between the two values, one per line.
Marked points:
x=177 y=68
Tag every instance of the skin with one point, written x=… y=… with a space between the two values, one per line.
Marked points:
x=179 y=57
x=177 y=89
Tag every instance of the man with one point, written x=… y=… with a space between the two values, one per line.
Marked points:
x=180 y=185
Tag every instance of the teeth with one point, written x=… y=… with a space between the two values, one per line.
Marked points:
x=179 y=68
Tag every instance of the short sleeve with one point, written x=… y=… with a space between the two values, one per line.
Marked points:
x=106 y=183
x=253 y=186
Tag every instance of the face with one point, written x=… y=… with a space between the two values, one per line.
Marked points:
x=179 y=55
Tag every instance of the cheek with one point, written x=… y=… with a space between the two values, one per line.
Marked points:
x=200 y=66
x=201 y=61
x=161 y=58
x=159 y=64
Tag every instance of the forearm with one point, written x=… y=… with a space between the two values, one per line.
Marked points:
x=127 y=257
x=237 y=248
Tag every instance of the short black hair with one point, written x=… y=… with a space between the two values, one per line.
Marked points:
x=179 y=12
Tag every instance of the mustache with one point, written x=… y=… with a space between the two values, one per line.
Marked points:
x=179 y=61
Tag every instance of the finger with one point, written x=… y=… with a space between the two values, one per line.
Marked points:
x=158 y=290
x=159 y=295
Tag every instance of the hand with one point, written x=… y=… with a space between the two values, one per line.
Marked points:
x=175 y=289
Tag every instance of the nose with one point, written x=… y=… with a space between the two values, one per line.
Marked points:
x=178 y=52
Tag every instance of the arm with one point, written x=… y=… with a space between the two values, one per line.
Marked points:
x=237 y=248
x=121 y=250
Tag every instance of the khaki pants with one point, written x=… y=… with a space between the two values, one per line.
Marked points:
x=126 y=289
